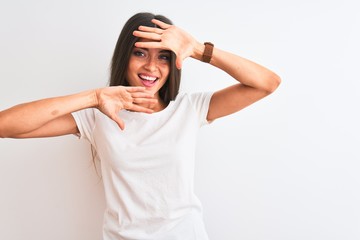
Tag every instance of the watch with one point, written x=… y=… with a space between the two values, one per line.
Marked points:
x=206 y=57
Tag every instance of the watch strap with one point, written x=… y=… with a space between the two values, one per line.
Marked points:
x=208 y=51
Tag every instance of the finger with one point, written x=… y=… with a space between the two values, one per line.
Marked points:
x=145 y=100
x=138 y=108
x=147 y=95
x=148 y=45
x=161 y=24
x=143 y=95
x=178 y=63
x=135 y=89
x=118 y=121
x=147 y=35
x=151 y=29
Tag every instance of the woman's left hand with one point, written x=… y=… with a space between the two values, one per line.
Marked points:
x=171 y=38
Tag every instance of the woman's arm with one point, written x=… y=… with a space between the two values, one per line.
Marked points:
x=52 y=116
x=255 y=81
x=23 y=120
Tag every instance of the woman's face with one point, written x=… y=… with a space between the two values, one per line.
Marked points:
x=149 y=68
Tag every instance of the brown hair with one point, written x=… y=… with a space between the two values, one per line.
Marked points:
x=123 y=51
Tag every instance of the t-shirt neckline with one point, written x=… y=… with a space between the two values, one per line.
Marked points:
x=142 y=114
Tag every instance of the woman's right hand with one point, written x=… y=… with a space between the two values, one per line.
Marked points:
x=52 y=116
x=111 y=100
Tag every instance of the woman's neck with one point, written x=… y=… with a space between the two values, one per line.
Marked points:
x=159 y=106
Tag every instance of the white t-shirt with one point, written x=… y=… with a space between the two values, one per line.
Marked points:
x=148 y=169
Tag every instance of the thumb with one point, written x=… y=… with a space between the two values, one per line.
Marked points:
x=178 y=62
x=118 y=121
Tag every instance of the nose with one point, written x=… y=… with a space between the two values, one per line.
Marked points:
x=151 y=64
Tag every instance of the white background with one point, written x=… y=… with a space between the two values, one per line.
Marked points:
x=284 y=168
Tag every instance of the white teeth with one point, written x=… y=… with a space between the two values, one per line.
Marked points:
x=148 y=78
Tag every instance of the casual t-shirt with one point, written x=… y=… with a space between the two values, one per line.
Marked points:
x=148 y=169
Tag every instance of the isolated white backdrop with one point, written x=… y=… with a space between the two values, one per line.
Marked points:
x=285 y=168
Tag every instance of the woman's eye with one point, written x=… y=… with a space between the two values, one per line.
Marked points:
x=139 y=53
x=164 y=57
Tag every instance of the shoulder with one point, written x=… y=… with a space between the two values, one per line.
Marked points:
x=197 y=103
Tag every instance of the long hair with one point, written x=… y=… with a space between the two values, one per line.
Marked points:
x=123 y=50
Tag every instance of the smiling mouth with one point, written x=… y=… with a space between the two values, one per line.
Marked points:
x=148 y=81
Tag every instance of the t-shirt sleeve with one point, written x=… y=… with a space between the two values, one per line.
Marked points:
x=201 y=102
x=85 y=121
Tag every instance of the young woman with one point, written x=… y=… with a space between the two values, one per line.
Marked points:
x=144 y=131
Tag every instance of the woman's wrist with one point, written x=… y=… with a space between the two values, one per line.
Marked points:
x=95 y=97
x=198 y=51
x=203 y=51
x=83 y=100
